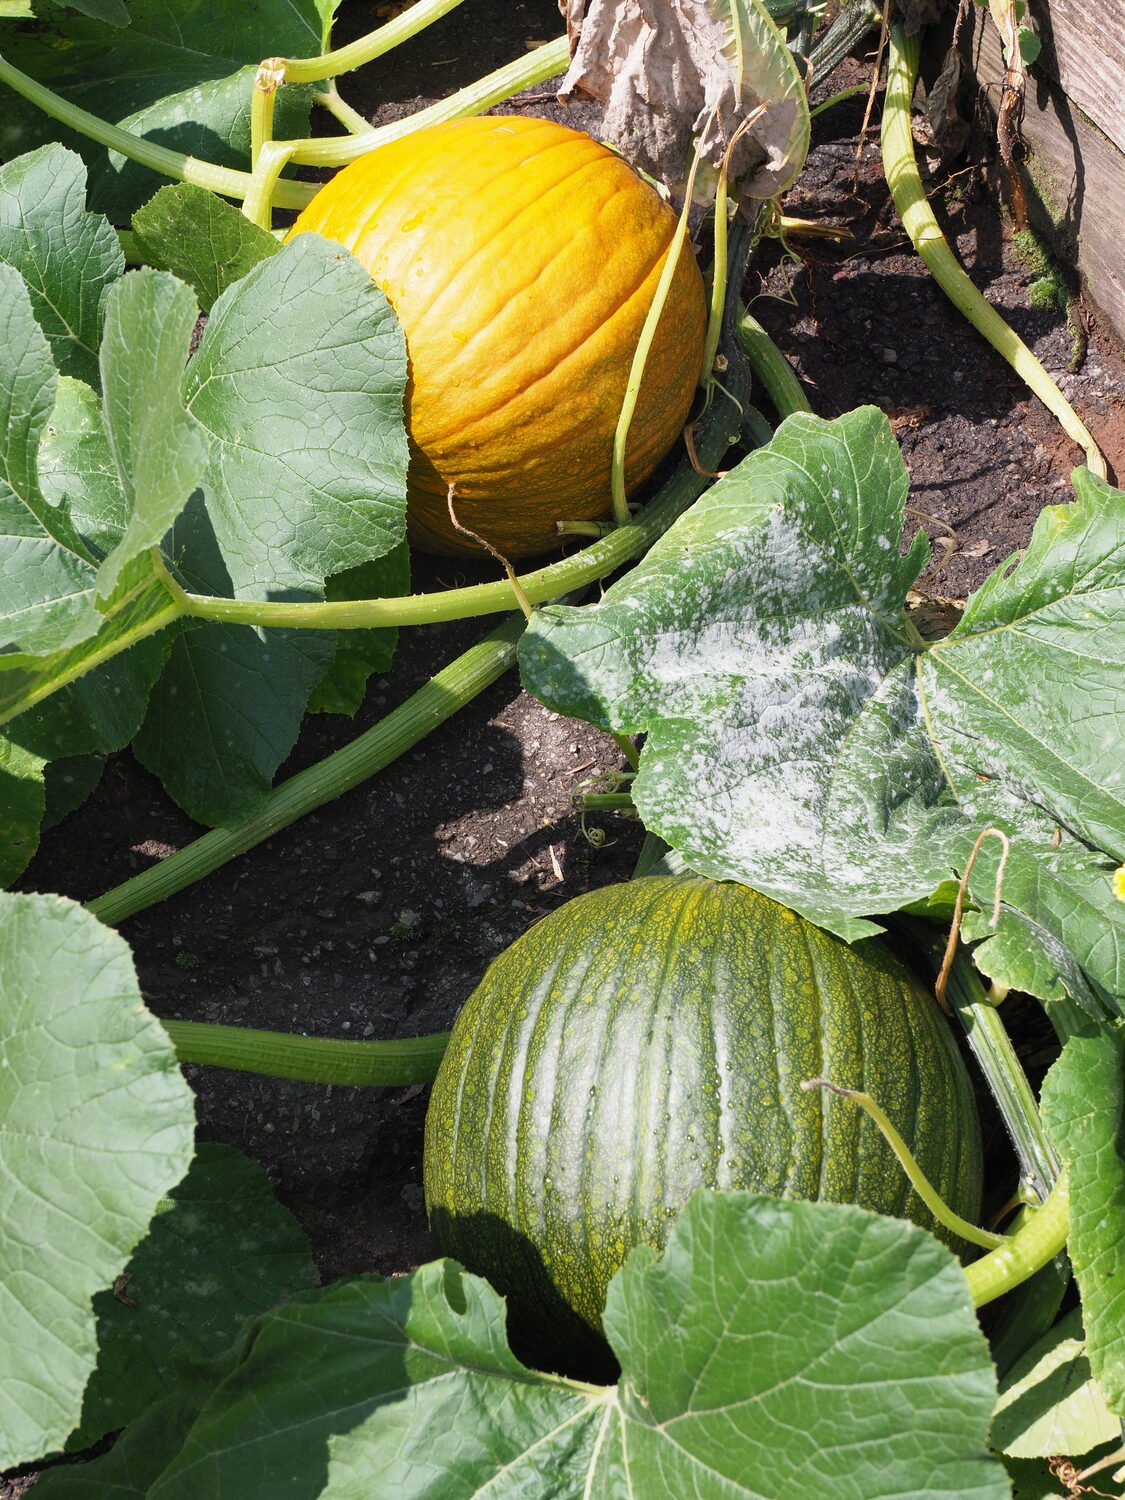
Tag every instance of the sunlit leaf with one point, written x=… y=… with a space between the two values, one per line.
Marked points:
x=803 y=738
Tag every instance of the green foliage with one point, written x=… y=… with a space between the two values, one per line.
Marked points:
x=206 y=242
x=802 y=738
x=1084 y=1110
x=95 y=1127
x=220 y=1249
x=179 y=73
x=277 y=460
x=1050 y=1402
x=741 y=1353
x=67 y=257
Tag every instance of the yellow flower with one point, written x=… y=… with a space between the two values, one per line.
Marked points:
x=1119 y=882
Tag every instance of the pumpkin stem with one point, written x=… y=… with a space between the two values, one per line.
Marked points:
x=1040 y=1237
x=919 y=1181
x=628 y=750
x=312 y=1059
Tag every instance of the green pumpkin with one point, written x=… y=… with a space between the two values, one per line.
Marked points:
x=650 y=1039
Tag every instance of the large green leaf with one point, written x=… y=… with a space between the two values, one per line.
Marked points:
x=221 y=1249
x=76 y=468
x=158 y=448
x=72 y=496
x=67 y=257
x=226 y=712
x=95 y=1127
x=1049 y=1400
x=803 y=737
x=778 y=1349
x=46 y=572
x=1083 y=1103
x=299 y=380
x=207 y=243
x=102 y=709
x=180 y=74
x=22 y=803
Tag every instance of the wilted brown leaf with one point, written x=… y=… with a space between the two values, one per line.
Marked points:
x=673 y=71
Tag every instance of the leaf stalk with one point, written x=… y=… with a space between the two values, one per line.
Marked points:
x=539 y=586
x=440 y=698
x=901 y=170
x=1037 y=1241
x=918 y=1179
x=367 y=48
x=309 y=1059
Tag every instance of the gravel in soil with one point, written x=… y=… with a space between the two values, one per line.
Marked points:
x=376 y=915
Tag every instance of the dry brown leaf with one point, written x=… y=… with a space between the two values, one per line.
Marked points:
x=672 y=71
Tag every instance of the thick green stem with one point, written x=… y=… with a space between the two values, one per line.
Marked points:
x=437 y=701
x=628 y=750
x=770 y=366
x=585 y=567
x=168 y=163
x=263 y=98
x=605 y=802
x=494 y=88
x=351 y=119
x=1038 y=1240
x=310 y=1059
x=1007 y=1081
x=366 y=48
x=1028 y=1313
x=901 y=170
x=258 y=203
x=718 y=280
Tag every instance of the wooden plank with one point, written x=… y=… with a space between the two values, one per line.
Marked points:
x=1074 y=171
x=1084 y=49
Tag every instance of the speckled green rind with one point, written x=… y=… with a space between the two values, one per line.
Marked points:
x=649 y=1039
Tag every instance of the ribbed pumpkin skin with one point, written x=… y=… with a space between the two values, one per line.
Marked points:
x=648 y=1039
x=521 y=258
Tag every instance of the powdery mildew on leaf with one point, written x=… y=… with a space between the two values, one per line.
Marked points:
x=803 y=740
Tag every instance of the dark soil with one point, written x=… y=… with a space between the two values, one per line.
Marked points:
x=376 y=916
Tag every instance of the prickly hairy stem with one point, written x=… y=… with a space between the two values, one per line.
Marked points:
x=437 y=701
x=310 y=1059
x=901 y=171
x=1035 y=1243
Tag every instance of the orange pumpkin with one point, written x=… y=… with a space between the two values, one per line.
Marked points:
x=521 y=258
